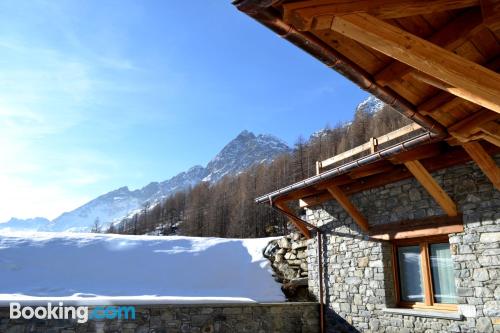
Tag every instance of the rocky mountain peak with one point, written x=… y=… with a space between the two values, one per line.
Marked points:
x=238 y=155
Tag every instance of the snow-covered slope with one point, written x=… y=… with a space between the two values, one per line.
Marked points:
x=117 y=204
x=100 y=269
x=239 y=154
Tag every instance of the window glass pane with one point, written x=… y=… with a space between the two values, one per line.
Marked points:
x=410 y=274
x=443 y=279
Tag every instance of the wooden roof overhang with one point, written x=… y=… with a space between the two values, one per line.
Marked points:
x=435 y=61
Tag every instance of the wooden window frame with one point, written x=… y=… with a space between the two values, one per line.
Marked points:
x=429 y=302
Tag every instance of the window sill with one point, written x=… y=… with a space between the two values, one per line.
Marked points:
x=425 y=313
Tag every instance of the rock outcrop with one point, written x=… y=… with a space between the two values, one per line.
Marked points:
x=288 y=256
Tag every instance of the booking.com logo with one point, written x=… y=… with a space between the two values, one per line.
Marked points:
x=80 y=313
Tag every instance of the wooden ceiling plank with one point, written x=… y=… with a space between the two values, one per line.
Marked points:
x=344 y=201
x=486 y=43
x=373 y=170
x=443 y=101
x=491 y=13
x=416 y=25
x=351 y=49
x=301 y=14
x=432 y=187
x=469 y=51
x=454 y=34
x=419 y=153
x=432 y=104
x=484 y=161
x=437 y=20
x=464 y=78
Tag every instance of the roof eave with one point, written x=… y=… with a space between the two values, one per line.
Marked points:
x=350 y=166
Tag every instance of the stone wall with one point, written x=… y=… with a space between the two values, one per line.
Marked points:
x=288 y=258
x=203 y=318
x=358 y=274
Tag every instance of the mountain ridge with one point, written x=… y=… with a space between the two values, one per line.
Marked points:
x=236 y=156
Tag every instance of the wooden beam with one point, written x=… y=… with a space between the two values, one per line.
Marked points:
x=484 y=161
x=314 y=200
x=491 y=14
x=464 y=78
x=491 y=128
x=344 y=201
x=432 y=187
x=470 y=125
x=491 y=139
x=451 y=36
x=418 y=153
x=303 y=14
x=371 y=169
x=432 y=226
x=434 y=103
x=295 y=220
x=436 y=83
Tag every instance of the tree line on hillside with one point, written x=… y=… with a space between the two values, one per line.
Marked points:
x=227 y=208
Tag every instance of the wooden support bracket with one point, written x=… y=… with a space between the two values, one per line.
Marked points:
x=295 y=221
x=484 y=161
x=344 y=201
x=432 y=187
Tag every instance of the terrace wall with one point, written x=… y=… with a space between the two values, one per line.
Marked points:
x=200 y=318
x=358 y=273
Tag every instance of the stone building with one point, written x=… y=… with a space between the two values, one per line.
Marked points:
x=359 y=277
x=403 y=231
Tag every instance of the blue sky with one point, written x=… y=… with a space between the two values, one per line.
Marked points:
x=95 y=95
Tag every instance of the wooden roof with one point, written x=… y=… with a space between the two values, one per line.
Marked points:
x=435 y=61
x=437 y=58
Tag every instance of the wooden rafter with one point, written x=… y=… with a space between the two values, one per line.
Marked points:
x=302 y=14
x=442 y=99
x=371 y=169
x=452 y=35
x=432 y=187
x=419 y=153
x=464 y=78
x=295 y=221
x=484 y=161
x=463 y=129
x=491 y=129
x=344 y=201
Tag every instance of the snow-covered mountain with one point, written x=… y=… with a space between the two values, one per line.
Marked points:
x=242 y=152
x=372 y=105
x=238 y=155
x=35 y=223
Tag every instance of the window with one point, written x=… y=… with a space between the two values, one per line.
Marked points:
x=423 y=272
